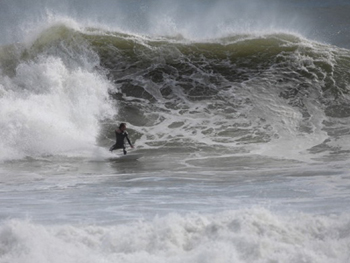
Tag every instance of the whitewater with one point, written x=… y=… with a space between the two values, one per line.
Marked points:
x=239 y=108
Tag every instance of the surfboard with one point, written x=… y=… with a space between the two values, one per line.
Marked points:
x=129 y=157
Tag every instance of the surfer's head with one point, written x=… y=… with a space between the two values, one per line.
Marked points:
x=122 y=126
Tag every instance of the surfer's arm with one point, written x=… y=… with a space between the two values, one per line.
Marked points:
x=127 y=138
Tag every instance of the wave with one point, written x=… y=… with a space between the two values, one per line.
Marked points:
x=251 y=235
x=244 y=89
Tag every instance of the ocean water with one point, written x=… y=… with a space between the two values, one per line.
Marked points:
x=240 y=109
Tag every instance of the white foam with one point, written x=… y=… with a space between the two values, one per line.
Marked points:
x=49 y=108
x=286 y=121
x=250 y=235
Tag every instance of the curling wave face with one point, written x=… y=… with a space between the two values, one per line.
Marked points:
x=277 y=90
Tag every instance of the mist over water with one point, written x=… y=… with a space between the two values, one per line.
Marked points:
x=240 y=109
x=190 y=19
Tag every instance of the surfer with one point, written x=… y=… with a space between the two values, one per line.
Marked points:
x=121 y=134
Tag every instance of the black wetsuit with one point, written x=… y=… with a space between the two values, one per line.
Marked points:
x=120 y=137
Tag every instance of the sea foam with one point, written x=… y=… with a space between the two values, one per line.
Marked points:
x=249 y=235
x=49 y=107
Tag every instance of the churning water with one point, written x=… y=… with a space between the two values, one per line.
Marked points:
x=240 y=108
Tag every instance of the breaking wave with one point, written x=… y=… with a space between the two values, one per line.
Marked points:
x=275 y=94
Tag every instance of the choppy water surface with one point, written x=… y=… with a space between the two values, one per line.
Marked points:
x=241 y=111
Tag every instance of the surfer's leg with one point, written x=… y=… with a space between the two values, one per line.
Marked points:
x=113 y=147
x=116 y=147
